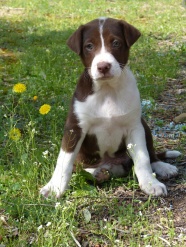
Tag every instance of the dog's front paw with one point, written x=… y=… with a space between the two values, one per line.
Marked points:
x=154 y=187
x=52 y=189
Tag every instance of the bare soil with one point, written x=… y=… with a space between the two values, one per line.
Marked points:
x=174 y=96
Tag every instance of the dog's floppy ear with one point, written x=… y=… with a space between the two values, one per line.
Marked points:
x=131 y=33
x=75 y=40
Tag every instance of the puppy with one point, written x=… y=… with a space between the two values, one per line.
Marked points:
x=104 y=130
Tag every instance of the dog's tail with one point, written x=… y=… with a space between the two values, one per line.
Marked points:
x=168 y=155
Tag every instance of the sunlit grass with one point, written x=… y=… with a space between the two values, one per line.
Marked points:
x=38 y=70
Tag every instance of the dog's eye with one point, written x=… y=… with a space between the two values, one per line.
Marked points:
x=89 y=47
x=116 y=43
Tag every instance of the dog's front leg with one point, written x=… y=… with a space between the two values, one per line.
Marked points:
x=71 y=144
x=136 y=146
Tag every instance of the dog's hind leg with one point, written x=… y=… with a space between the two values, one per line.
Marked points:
x=163 y=169
x=118 y=166
x=150 y=147
x=169 y=154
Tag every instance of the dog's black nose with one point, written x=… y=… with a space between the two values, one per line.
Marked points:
x=103 y=67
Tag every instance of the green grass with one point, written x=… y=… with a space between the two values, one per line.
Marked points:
x=33 y=51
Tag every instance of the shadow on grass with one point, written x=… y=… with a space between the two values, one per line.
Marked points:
x=38 y=56
x=44 y=56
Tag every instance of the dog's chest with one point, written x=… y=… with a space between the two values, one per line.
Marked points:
x=106 y=115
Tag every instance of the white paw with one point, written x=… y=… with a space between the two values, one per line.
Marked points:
x=52 y=189
x=153 y=187
x=164 y=170
x=172 y=154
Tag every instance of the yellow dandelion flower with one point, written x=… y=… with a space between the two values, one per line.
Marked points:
x=15 y=134
x=19 y=88
x=35 y=98
x=44 y=109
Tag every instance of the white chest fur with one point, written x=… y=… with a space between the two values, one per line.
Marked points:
x=109 y=112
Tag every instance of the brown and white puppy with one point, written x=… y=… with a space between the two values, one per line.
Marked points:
x=104 y=119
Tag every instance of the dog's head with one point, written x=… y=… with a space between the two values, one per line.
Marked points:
x=103 y=45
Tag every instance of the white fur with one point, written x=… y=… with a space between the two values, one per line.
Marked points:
x=103 y=56
x=112 y=113
x=101 y=24
x=143 y=170
x=164 y=170
x=172 y=154
x=62 y=173
x=108 y=112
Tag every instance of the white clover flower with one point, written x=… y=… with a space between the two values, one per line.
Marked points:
x=39 y=227
x=30 y=123
x=57 y=205
x=48 y=224
x=61 y=108
x=34 y=131
x=35 y=163
x=53 y=144
x=68 y=202
x=45 y=154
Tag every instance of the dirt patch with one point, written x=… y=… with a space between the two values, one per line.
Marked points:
x=178 y=200
x=171 y=103
x=8 y=11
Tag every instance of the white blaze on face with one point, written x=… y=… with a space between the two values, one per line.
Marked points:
x=101 y=23
x=104 y=56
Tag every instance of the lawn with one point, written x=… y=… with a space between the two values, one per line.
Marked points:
x=37 y=68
